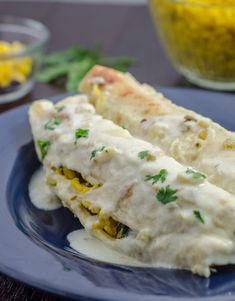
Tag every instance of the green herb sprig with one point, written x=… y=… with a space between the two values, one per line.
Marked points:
x=143 y=154
x=95 y=151
x=198 y=215
x=43 y=147
x=161 y=176
x=52 y=124
x=166 y=195
x=67 y=68
x=81 y=133
x=195 y=174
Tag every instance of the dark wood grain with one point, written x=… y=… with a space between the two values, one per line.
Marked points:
x=123 y=30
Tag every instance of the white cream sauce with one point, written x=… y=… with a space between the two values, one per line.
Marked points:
x=170 y=232
x=40 y=194
x=92 y=247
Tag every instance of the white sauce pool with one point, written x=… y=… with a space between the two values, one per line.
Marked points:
x=40 y=194
x=90 y=246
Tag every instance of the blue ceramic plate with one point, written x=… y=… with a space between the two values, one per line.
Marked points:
x=33 y=245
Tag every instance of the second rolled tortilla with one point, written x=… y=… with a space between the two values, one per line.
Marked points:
x=183 y=134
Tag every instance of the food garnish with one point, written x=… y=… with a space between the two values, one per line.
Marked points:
x=198 y=215
x=161 y=176
x=143 y=154
x=43 y=146
x=195 y=174
x=166 y=195
x=94 y=152
x=81 y=133
x=53 y=123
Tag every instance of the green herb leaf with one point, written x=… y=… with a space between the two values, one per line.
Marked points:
x=94 y=152
x=66 y=56
x=195 y=174
x=158 y=177
x=52 y=124
x=166 y=195
x=77 y=72
x=43 y=146
x=123 y=126
x=143 y=154
x=81 y=133
x=198 y=215
x=53 y=72
x=68 y=67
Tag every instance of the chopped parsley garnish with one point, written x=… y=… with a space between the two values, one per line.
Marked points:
x=159 y=177
x=52 y=124
x=43 y=146
x=81 y=133
x=198 y=215
x=123 y=126
x=166 y=195
x=143 y=154
x=195 y=174
x=94 y=152
x=60 y=109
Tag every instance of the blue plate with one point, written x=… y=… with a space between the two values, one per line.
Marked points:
x=33 y=245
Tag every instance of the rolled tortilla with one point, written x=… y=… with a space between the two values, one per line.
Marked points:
x=183 y=134
x=128 y=193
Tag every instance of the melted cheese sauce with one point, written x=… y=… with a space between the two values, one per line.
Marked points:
x=92 y=247
x=199 y=142
x=162 y=231
x=40 y=194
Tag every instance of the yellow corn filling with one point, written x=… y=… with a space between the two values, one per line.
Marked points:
x=78 y=186
x=97 y=94
x=87 y=206
x=203 y=134
x=13 y=69
x=69 y=174
x=110 y=227
x=229 y=144
x=106 y=224
x=74 y=177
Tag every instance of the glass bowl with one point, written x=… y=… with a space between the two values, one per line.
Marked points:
x=199 y=36
x=22 y=42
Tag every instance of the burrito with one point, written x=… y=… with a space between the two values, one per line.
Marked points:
x=129 y=193
x=188 y=137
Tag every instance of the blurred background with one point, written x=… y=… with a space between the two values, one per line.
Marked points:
x=53 y=43
x=121 y=28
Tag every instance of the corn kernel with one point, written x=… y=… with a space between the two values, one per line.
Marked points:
x=94 y=210
x=59 y=171
x=203 y=134
x=69 y=174
x=150 y=157
x=78 y=186
x=13 y=69
x=229 y=144
x=96 y=90
x=110 y=230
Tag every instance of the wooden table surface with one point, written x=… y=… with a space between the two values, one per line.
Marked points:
x=123 y=30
